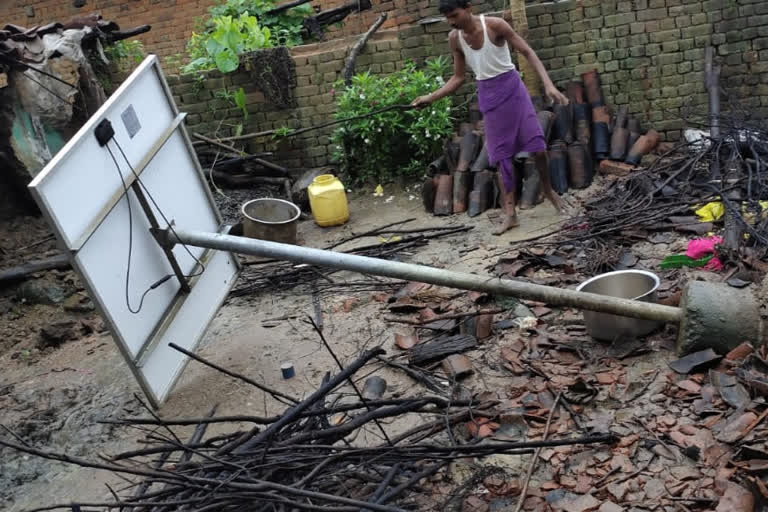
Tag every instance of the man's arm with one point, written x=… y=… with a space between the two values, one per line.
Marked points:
x=459 y=68
x=502 y=28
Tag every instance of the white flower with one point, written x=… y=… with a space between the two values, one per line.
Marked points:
x=427 y=133
x=434 y=112
x=362 y=96
x=379 y=130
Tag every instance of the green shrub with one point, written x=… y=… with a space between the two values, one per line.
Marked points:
x=397 y=142
x=241 y=26
x=286 y=27
x=222 y=46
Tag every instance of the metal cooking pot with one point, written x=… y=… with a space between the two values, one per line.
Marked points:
x=627 y=284
x=269 y=219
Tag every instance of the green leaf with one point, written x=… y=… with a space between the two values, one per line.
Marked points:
x=681 y=260
x=240 y=102
x=227 y=61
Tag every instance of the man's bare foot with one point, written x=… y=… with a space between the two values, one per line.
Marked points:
x=556 y=202
x=507 y=224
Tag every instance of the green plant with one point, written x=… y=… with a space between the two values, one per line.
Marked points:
x=223 y=45
x=286 y=26
x=240 y=26
x=237 y=98
x=125 y=52
x=395 y=142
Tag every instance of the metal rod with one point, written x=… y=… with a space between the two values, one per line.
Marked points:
x=136 y=187
x=421 y=273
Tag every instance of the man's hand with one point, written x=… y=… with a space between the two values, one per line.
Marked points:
x=421 y=102
x=556 y=96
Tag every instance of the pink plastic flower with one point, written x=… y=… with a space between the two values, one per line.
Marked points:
x=701 y=247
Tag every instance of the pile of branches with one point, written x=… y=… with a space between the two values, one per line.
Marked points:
x=303 y=459
x=274 y=275
x=731 y=168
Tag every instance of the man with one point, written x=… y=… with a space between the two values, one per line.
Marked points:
x=511 y=125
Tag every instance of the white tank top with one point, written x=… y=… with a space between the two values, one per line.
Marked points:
x=490 y=60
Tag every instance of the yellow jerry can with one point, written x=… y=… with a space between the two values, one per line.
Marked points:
x=328 y=201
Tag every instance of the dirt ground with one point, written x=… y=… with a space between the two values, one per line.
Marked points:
x=54 y=395
x=57 y=394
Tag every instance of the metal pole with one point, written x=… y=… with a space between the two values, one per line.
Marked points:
x=421 y=273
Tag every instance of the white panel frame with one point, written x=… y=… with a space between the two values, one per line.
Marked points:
x=82 y=198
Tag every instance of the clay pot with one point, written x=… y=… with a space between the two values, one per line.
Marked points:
x=601 y=140
x=481 y=162
x=444 y=195
x=575 y=92
x=428 y=191
x=633 y=125
x=558 y=166
x=593 y=88
x=619 y=140
x=470 y=144
x=474 y=113
x=451 y=153
x=562 y=129
x=461 y=185
x=545 y=122
x=582 y=123
x=530 y=194
x=437 y=166
x=601 y=115
x=482 y=193
x=483 y=326
x=644 y=145
x=579 y=166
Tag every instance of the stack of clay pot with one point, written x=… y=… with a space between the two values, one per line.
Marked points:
x=567 y=132
x=462 y=179
x=621 y=141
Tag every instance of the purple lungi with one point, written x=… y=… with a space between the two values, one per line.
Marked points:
x=511 y=125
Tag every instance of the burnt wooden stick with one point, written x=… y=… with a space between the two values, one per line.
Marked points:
x=269 y=165
x=198 y=435
x=319 y=331
x=119 y=35
x=252 y=485
x=351 y=425
x=417 y=375
x=59 y=262
x=384 y=483
x=397 y=491
x=441 y=424
x=440 y=347
x=349 y=67
x=243 y=378
x=254 y=437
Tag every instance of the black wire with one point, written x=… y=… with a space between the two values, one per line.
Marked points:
x=170 y=226
x=42 y=72
x=130 y=242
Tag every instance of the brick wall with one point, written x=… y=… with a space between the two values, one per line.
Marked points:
x=649 y=53
x=318 y=66
x=174 y=20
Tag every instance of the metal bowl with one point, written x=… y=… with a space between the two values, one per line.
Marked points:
x=270 y=219
x=626 y=284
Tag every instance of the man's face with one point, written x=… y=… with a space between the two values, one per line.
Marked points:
x=459 y=18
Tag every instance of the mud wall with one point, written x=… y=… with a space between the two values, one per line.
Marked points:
x=649 y=52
